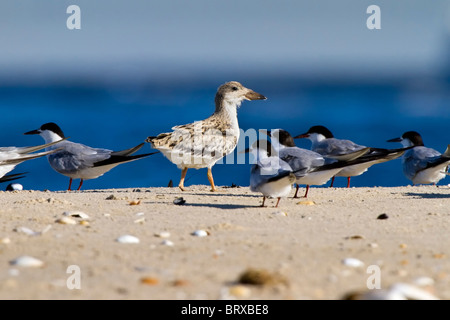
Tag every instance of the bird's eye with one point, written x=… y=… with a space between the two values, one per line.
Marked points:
x=234 y=88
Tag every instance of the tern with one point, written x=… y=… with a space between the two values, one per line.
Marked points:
x=422 y=165
x=269 y=174
x=78 y=161
x=324 y=142
x=310 y=167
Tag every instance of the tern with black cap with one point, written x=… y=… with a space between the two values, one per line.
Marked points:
x=78 y=161
x=324 y=142
x=422 y=165
x=269 y=174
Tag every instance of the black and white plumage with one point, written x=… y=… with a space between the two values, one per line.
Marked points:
x=10 y=157
x=324 y=142
x=310 y=167
x=202 y=143
x=78 y=161
x=269 y=174
x=420 y=164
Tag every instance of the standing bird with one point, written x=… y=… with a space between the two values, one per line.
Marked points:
x=10 y=157
x=202 y=143
x=269 y=174
x=422 y=165
x=78 y=161
x=324 y=142
x=310 y=168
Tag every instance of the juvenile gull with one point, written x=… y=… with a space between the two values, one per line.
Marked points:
x=202 y=143
x=324 y=142
x=78 y=161
x=422 y=165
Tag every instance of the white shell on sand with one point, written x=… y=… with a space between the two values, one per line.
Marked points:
x=27 y=261
x=280 y=213
x=5 y=240
x=127 y=239
x=27 y=231
x=200 y=233
x=352 y=262
x=163 y=234
x=14 y=187
x=167 y=243
x=76 y=214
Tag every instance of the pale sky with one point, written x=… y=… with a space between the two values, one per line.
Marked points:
x=164 y=36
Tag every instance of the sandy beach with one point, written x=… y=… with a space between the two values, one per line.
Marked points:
x=301 y=247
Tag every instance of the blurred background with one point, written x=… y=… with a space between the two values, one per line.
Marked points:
x=137 y=68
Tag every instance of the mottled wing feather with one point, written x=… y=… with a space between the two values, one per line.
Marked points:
x=208 y=140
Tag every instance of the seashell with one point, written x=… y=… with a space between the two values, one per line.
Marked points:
x=439 y=255
x=127 y=239
x=355 y=237
x=140 y=220
x=135 y=202
x=239 y=291
x=403 y=246
x=261 y=277
x=150 y=281
x=14 y=187
x=280 y=213
x=163 y=234
x=27 y=231
x=180 y=283
x=179 y=201
x=383 y=216
x=167 y=243
x=397 y=291
x=84 y=223
x=66 y=220
x=306 y=203
x=423 y=281
x=5 y=240
x=76 y=214
x=200 y=233
x=27 y=261
x=139 y=214
x=352 y=262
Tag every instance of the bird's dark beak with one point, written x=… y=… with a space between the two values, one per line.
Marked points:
x=252 y=95
x=33 y=132
x=395 y=140
x=302 y=136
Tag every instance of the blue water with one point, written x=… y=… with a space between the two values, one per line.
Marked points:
x=121 y=116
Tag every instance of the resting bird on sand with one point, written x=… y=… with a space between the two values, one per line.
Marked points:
x=202 y=143
x=422 y=165
x=326 y=144
x=310 y=168
x=269 y=175
x=78 y=161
